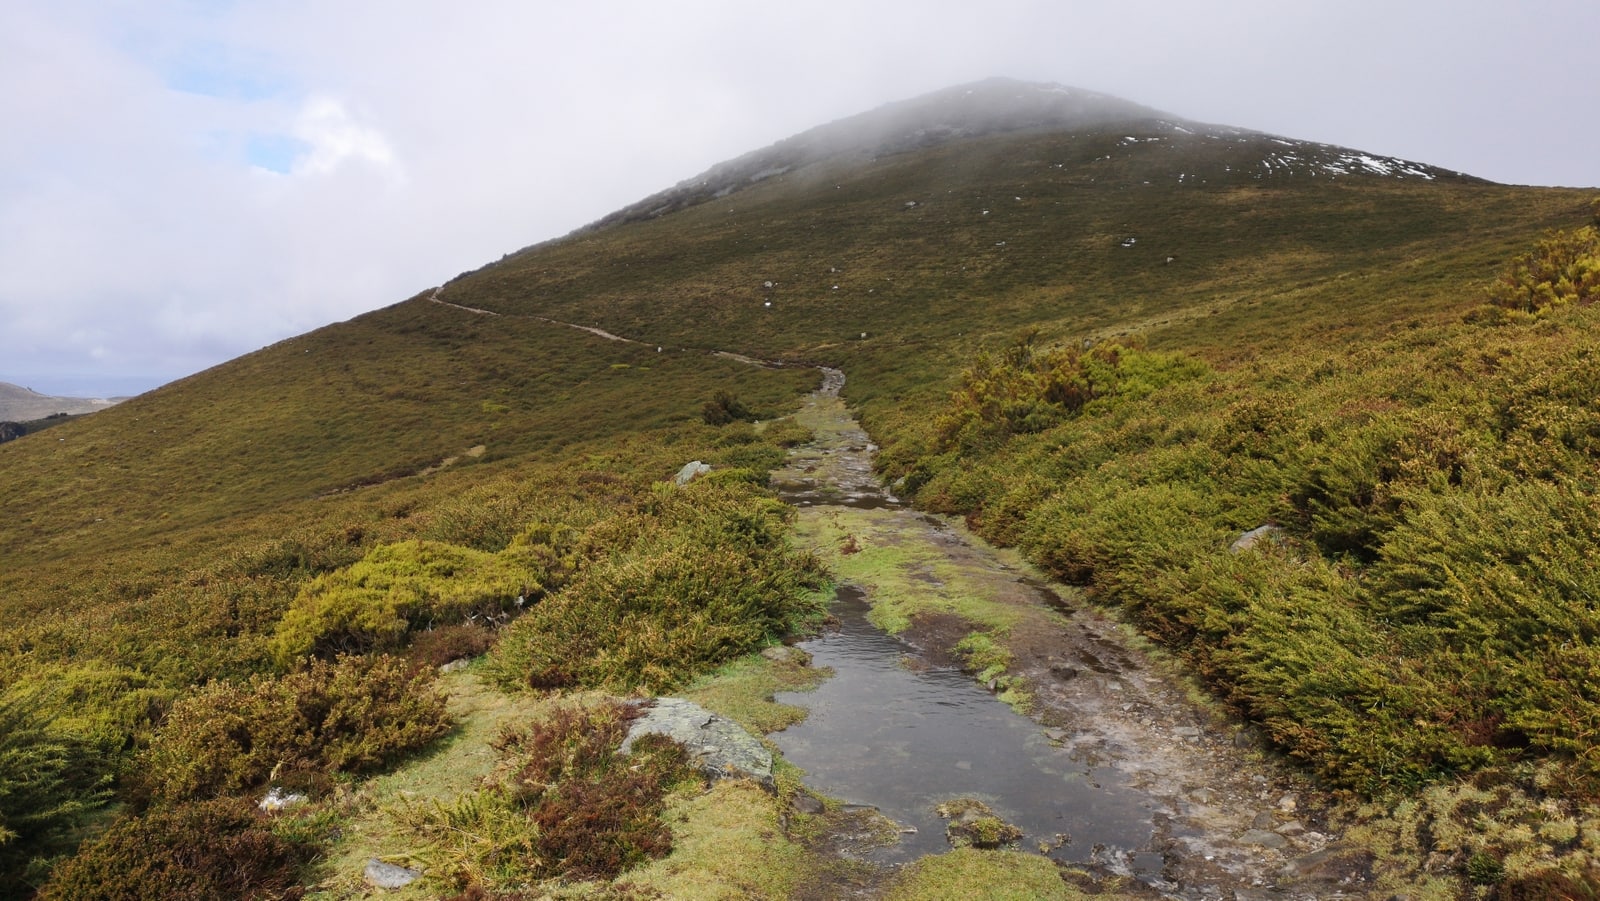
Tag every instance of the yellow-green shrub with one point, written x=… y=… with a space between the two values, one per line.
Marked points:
x=49 y=779
x=398 y=588
x=351 y=715
x=698 y=576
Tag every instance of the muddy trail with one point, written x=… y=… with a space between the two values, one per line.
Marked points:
x=1115 y=771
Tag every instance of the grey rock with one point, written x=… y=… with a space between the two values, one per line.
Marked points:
x=1291 y=828
x=690 y=470
x=386 y=875
x=1334 y=863
x=786 y=654
x=1260 y=535
x=804 y=803
x=1263 y=838
x=721 y=748
x=454 y=665
x=1263 y=820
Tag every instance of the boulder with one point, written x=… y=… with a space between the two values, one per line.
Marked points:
x=718 y=746
x=389 y=876
x=1260 y=535
x=690 y=470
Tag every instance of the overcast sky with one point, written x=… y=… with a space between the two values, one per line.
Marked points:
x=184 y=181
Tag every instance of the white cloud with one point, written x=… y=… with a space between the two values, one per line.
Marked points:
x=334 y=137
x=182 y=182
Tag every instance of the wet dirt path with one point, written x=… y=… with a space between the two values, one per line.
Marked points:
x=1223 y=821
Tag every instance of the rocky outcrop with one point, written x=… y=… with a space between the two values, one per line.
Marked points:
x=11 y=431
x=718 y=746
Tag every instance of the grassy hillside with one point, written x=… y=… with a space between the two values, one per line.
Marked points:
x=1293 y=350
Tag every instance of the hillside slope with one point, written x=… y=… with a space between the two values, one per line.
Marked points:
x=1277 y=321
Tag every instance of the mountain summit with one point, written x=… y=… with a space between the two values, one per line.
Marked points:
x=998 y=106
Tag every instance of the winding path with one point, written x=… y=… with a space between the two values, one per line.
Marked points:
x=1225 y=822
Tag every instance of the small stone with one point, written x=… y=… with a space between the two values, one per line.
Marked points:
x=1056 y=734
x=386 y=875
x=1186 y=732
x=1263 y=838
x=804 y=803
x=277 y=799
x=1263 y=820
x=1202 y=796
x=1063 y=672
x=1288 y=803
x=1291 y=828
x=455 y=665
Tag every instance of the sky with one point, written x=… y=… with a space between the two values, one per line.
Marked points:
x=185 y=181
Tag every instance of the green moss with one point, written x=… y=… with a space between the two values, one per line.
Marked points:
x=998 y=875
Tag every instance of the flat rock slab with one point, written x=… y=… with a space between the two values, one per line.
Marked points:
x=721 y=748
x=386 y=875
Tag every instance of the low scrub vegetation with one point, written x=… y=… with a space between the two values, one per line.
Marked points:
x=1427 y=614
x=351 y=715
x=195 y=851
x=692 y=578
x=563 y=803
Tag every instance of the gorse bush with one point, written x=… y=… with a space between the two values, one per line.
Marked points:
x=1563 y=269
x=397 y=589
x=1430 y=609
x=199 y=851
x=695 y=577
x=49 y=780
x=563 y=803
x=352 y=715
x=1027 y=388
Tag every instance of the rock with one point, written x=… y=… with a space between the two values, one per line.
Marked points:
x=690 y=470
x=1264 y=820
x=721 y=748
x=386 y=875
x=974 y=825
x=1063 y=672
x=277 y=799
x=11 y=431
x=1268 y=534
x=786 y=654
x=1289 y=802
x=1335 y=863
x=1263 y=838
x=804 y=803
x=454 y=665
x=1291 y=828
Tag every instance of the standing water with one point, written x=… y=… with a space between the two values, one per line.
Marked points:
x=904 y=741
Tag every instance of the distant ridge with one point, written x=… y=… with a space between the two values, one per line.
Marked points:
x=19 y=404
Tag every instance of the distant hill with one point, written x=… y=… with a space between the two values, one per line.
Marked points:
x=19 y=404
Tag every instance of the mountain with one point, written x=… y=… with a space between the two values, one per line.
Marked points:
x=1106 y=336
x=1006 y=106
x=19 y=404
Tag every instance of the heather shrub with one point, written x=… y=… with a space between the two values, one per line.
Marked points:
x=353 y=715
x=199 y=851
x=700 y=575
x=563 y=803
x=436 y=647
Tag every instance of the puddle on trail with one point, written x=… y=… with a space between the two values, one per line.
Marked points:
x=883 y=735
